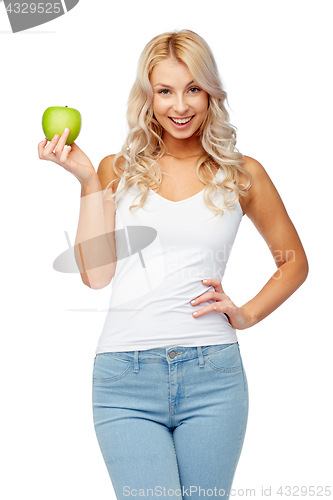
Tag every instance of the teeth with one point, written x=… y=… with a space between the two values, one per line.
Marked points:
x=186 y=120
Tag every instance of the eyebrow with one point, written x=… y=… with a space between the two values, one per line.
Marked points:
x=168 y=86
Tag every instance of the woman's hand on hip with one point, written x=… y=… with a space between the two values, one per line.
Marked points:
x=238 y=317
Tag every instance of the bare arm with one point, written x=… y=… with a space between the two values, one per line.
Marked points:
x=93 y=253
x=267 y=212
x=95 y=250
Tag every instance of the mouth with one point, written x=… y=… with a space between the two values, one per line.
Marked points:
x=181 y=122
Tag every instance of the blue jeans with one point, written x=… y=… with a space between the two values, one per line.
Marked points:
x=171 y=422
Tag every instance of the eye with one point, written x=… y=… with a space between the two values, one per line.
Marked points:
x=164 y=91
x=195 y=90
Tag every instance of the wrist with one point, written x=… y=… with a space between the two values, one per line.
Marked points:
x=92 y=185
x=251 y=318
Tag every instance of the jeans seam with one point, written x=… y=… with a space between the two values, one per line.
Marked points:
x=111 y=379
x=174 y=449
x=240 y=441
x=224 y=370
x=245 y=384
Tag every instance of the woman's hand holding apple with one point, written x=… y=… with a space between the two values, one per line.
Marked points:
x=71 y=158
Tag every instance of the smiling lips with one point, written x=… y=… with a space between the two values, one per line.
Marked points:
x=181 y=122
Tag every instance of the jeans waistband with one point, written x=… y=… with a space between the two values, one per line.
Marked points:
x=173 y=354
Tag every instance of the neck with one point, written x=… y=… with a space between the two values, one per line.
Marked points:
x=183 y=148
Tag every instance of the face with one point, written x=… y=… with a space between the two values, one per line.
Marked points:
x=179 y=104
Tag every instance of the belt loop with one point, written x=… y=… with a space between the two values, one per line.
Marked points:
x=200 y=356
x=136 y=361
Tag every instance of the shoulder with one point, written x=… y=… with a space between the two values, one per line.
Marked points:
x=256 y=171
x=253 y=166
x=106 y=172
x=263 y=197
x=261 y=183
x=259 y=176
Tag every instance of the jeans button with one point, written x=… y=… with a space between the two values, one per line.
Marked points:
x=172 y=354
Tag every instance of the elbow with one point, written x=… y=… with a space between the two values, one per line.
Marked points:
x=85 y=280
x=299 y=267
x=299 y=261
x=93 y=284
x=304 y=265
x=96 y=276
x=99 y=286
x=303 y=270
x=306 y=269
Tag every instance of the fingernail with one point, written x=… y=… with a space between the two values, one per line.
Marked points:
x=205 y=281
x=192 y=301
x=194 y=314
x=55 y=137
x=66 y=130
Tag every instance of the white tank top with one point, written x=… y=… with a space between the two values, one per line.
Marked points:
x=164 y=251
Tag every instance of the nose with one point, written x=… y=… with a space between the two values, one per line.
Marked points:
x=180 y=105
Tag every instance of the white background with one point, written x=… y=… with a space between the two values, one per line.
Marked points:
x=275 y=62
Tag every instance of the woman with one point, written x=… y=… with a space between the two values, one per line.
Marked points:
x=170 y=394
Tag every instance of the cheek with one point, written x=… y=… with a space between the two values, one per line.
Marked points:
x=158 y=111
x=159 y=107
x=157 y=101
x=204 y=104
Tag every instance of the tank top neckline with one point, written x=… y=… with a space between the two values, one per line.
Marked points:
x=190 y=198
x=176 y=202
x=186 y=199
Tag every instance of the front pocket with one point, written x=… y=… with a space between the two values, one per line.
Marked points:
x=108 y=368
x=227 y=359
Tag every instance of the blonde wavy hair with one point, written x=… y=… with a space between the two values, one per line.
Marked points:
x=144 y=146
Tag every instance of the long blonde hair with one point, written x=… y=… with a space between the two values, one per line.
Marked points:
x=144 y=146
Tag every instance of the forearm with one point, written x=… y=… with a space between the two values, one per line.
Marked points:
x=93 y=253
x=279 y=288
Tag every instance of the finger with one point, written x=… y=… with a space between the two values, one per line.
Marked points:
x=204 y=297
x=62 y=141
x=64 y=155
x=204 y=310
x=217 y=309
x=46 y=152
x=216 y=284
x=42 y=150
x=41 y=146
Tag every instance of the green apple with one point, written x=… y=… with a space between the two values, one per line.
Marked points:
x=57 y=118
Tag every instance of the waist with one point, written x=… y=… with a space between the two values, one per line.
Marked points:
x=170 y=354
